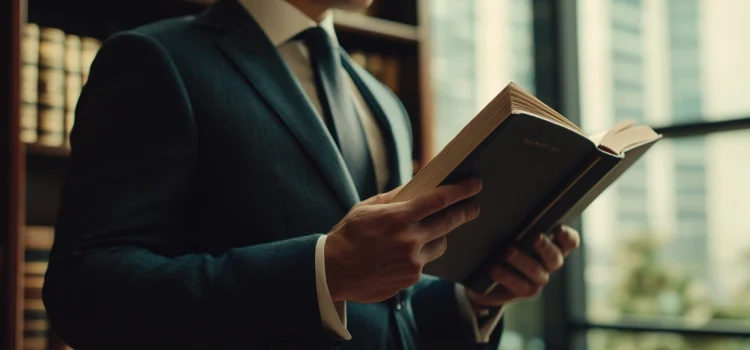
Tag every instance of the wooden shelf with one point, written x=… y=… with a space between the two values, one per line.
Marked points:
x=375 y=27
x=356 y=23
x=47 y=151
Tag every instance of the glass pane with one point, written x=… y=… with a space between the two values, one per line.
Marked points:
x=663 y=61
x=670 y=241
x=523 y=326
x=616 y=340
x=477 y=48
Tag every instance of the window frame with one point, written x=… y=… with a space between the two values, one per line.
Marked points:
x=564 y=321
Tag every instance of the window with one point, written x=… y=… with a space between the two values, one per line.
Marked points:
x=666 y=250
x=478 y=47
x=680 y=250
x=668 y=247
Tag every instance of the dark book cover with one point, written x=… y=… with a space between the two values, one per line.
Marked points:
x=536 y=174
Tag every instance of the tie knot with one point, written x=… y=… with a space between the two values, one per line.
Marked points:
x=316 y=39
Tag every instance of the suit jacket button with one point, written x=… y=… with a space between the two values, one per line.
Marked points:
x=396 y=300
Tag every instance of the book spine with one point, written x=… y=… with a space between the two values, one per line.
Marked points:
x=35 y=324
x=38 y=243
x=89 y=48
x=359 y=58
x=391 y=71
x=73 y=80
x=384 y=68
x=29 y=80
x=51 y=107
x=375 y=65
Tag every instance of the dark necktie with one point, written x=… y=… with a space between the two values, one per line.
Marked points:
x=338 y=109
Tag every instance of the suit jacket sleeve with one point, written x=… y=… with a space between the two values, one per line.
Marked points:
x=122 y=273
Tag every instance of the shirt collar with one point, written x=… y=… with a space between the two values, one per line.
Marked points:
x=282 y=21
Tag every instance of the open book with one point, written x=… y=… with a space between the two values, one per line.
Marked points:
x=538 y=170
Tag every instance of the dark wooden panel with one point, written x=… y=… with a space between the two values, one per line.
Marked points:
x=11 y=168
x=101 y=19
x=396 y=10
x=375 y=27
x=34 y=150
x=410 y=92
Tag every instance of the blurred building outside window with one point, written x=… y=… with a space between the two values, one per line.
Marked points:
x=670 y=243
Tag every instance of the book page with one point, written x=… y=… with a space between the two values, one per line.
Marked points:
x=624 y=136
x=524 y=102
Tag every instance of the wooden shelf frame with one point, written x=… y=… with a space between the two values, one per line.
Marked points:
x=362 y=24
x=376 y=27
x=33 y=149
x=13 y=165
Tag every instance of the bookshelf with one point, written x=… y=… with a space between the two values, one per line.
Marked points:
x=32 y=173
x=35 y=150
x=376 y=27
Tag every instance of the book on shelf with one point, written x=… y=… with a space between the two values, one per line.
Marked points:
x=51 y=108
x=55 y=65
x=391 y=73
x=375 y=65
x=538 y=170
x=28 y=83
x=382 y=67
x=37 y=245
x=359 y=58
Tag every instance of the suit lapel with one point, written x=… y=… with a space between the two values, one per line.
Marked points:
x=392 y=121
x=247 y=46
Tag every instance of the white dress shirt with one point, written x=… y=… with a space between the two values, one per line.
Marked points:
x=281 y=22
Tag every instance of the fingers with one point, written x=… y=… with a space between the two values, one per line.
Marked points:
x=527 y=276
x=519 y=287
x=440 y=198
x=434 y=249
x=566 y=238
x=442 y=223
x=529 y=267
x=550 y=254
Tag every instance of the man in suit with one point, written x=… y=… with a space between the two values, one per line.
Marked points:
x=222 y=193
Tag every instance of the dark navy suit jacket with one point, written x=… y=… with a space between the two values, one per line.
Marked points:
x=199 y=182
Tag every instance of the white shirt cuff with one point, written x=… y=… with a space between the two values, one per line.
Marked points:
x=481 y=333
x=332 y=314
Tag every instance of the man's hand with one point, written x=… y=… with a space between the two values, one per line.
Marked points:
x=525 y=276
x=379 y=249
